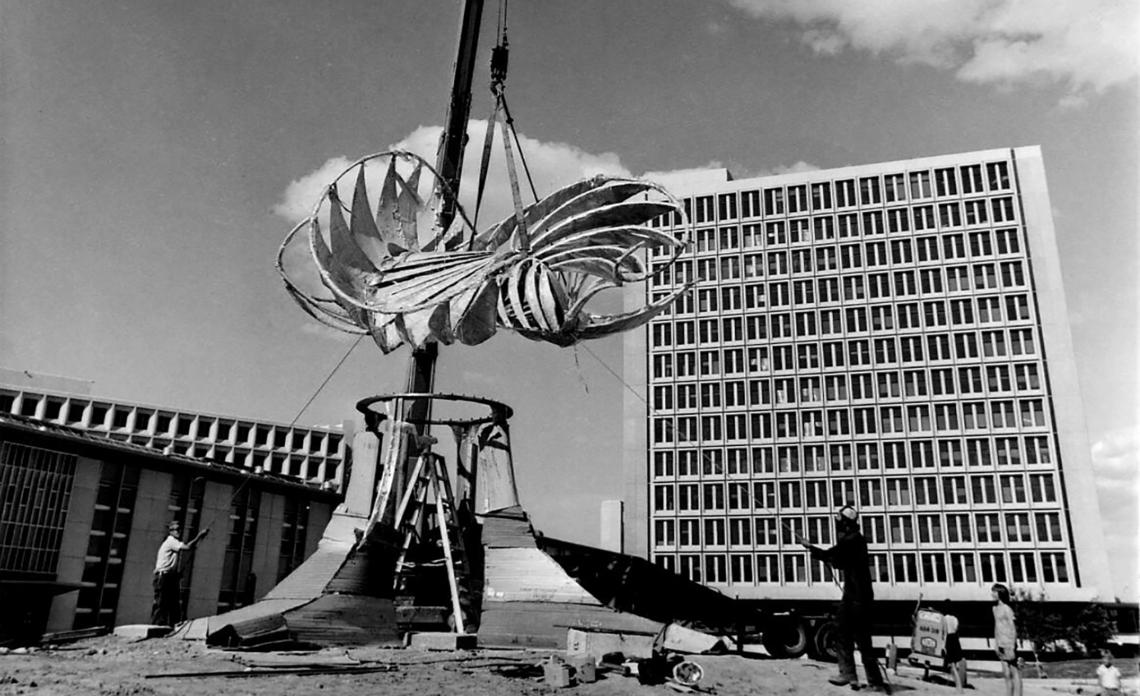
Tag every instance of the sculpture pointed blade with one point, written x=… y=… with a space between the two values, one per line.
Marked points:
x=363 y=225
x=388 y=209
x=612 y=215
x=345 y=250
x=474 y=314
x=408 y=206
x=596 y=326
x=338 y=277
x=498 y=235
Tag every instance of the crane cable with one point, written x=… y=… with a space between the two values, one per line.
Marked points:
x=248 y=471
x=501 y=116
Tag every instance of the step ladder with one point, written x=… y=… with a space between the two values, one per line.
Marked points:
x=429 y=487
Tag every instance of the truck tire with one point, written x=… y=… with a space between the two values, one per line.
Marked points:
x=824 y=640
x=785 y=637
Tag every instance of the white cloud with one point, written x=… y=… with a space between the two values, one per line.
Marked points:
x=796 y=168
x=551 y=164
x=682 y=179
x=1116 y=457
x=1073 y=101
x=1116 y=465
x=1085 y=45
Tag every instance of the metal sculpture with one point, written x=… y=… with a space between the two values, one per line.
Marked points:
x=534 y=272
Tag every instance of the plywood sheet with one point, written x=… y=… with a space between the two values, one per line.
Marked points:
x=507 y=528
x=345 y=620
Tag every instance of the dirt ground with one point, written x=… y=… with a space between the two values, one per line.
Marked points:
x=117 y=667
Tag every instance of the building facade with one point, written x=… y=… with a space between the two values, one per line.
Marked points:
x=892 y=336
x=88 y=486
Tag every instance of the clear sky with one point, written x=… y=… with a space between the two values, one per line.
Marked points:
x=155 y=152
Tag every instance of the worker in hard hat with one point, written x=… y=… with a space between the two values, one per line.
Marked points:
x=849 y=555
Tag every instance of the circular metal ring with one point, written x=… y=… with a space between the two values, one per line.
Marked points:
x=498 y=411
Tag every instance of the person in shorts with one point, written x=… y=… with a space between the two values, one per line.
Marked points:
x=954 y=657
x=1005 y=640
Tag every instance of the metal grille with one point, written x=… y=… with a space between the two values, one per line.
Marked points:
x=35 y=489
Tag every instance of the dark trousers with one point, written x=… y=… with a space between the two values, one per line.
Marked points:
x=167 y=608
x=854 y=620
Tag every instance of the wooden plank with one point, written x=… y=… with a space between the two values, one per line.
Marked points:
x=507 y=528
x=345 y=620
x=264 y=608
x=308 y=580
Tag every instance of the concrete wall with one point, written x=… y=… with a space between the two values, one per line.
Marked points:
x=635 y=443
x=612 y=520
x=1075 y=454
x=267 y=543
x=148 y=529
x=210 y=553
x=361 y=485
x=319 y=516
x=73 y=547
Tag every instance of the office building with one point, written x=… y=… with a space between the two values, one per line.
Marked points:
x=88 y=486
x=892 y=336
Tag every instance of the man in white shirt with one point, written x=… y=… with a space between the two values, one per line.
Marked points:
x=1108 y=675
x=167 y=608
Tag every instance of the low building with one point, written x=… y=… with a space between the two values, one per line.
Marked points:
x=88 y=487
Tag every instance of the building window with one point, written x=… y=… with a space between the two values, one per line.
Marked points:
x=1023 y=567
x=293 y=532
x=726 y=204
x=1017 y=527
x=993 y=567
x=714 y=532
x=869 y=191
x=774 y=201
x=933 y=568
x=998 y=175
x=905 y=567
x=1042 y=488
x=690 y=567
x=972 y=181
x=983 y=489
x=238 y=582
x=963 y=568
x=821 y=196
x=795 y=567
x=35 y=489
x=107 y=545
x=797 y=199
x=750 y=204
x=1053 y=568
x=767 y=567
x=741 y=567
x=988 y=528
x=185 y=507
x=958 y=530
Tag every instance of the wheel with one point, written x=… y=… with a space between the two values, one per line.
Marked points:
x=687 y=673
x=824 y=642
x=785 y=637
